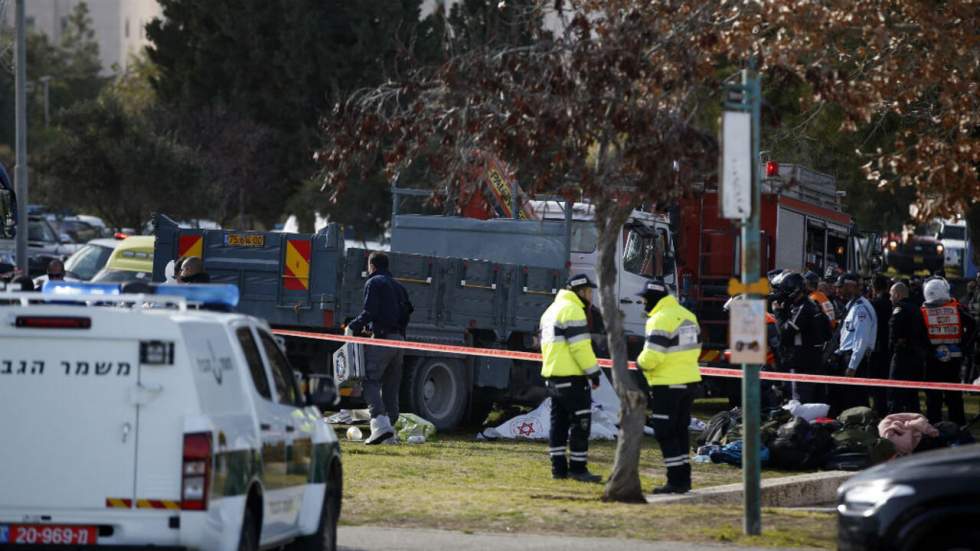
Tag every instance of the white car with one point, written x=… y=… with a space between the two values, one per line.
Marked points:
x=137 y=420
x=84 y=263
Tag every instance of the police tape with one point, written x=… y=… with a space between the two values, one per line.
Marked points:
x=705 y=370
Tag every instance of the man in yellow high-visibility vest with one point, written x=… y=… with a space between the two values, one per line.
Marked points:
x=670 y=365
x=571 y=371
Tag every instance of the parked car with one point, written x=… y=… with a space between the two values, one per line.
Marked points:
x=96 y=223
x=86 y=262
x=917 y=254
x=132 y=260
x=72 y=227
x=43 y=245
x=924 y=501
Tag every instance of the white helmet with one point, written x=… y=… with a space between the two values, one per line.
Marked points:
x=936 y=290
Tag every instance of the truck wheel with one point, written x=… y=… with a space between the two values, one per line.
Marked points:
x=325 y=537
x=249 y=540
x=438 y=392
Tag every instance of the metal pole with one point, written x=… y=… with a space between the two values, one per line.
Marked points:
x=751 y=235
x=569 y=209
x=20 y=169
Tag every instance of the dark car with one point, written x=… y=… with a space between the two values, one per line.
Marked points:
x=918 y=254
x=925 y=501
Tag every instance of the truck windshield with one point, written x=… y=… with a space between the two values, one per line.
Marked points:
x=953 y=232
x=585 y=236
x=645 y=253
x=38 y=230
x=88 y=261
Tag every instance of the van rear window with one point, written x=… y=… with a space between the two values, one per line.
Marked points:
x=254 y=360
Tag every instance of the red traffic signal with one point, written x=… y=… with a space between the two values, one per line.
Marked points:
x=772 y=169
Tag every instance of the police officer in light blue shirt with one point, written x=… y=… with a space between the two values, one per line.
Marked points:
x=857 y=340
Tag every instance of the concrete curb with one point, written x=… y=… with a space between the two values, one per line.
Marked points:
x=790 y=491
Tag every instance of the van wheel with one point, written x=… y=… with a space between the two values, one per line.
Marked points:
x=438 y=392
x=249 y=540
x=325 y=537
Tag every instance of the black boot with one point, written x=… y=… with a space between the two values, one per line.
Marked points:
x=671 y=489
x=559 y=467
x=586 y=476
x=678 y=480
x=580 y=472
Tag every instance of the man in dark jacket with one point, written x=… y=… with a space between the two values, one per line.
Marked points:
x=803 y=332
x=907 y=345
x=881 y=358
x=386 y=312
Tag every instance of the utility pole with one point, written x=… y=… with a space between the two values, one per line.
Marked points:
x=751 y=235
x=20 y=169
x=741 y=197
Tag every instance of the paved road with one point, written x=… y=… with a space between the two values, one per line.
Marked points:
x=366 y=538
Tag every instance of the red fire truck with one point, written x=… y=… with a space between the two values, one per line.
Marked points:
x=803 y=228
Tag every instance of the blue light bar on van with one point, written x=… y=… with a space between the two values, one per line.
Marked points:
x=207 y=293
x=80 y=288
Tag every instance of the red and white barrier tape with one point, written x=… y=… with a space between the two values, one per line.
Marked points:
x=707 y=371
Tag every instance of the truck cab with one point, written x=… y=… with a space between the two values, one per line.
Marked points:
x=645 y=250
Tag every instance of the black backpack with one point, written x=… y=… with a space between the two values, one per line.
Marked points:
x=800 y=445
x=718 y=427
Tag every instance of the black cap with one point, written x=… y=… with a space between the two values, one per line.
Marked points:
x=849 y=276
x=811 y=277
x=654 y=286
x=579 y=281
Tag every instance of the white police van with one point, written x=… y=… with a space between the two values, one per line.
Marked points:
x=136 y=420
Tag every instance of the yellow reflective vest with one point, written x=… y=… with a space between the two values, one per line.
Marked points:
x=673 y=346
x=566 y=345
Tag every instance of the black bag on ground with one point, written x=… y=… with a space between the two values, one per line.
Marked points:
x=719 y=426
x=789 y=449
x=800 y=445
x=857 y=444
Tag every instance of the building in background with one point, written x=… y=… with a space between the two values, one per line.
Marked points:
x=119 y=25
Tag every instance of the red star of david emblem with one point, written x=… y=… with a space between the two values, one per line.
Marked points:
x=526 y=429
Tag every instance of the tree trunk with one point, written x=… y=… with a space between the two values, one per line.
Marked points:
x=624 y=482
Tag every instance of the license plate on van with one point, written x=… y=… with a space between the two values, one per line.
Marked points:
x=918 y=259
x=47 y=534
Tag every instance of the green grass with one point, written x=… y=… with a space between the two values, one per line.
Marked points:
x=454 y=482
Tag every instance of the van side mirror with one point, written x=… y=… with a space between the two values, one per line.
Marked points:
x=322 y=392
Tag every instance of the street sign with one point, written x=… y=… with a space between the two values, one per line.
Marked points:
x=736 y=287
x=747 y=331
x=736 y=165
